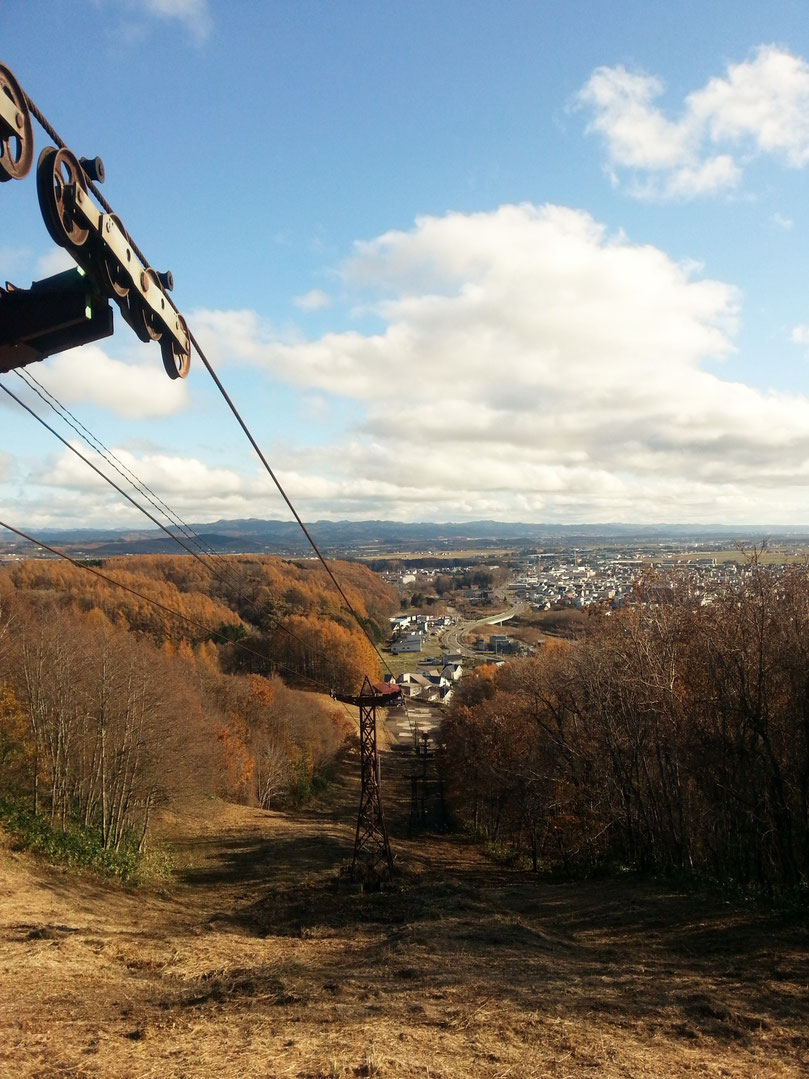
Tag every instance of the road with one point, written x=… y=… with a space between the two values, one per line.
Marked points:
x=451 y=640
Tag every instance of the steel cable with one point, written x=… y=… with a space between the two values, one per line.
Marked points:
x=277 y=622
x=114 y=462
x=209 y=632
x=51 y=131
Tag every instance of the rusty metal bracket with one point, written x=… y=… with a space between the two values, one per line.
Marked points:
x=96 y=239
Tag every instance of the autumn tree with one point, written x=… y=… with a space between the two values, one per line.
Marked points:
x=674 y=737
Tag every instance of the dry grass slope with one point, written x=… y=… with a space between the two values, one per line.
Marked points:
x=254 y=966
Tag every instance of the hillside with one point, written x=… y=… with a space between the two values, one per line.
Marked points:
x=135 y=684
x=253 y=965
x=247 y=959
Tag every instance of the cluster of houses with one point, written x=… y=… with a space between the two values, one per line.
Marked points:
x=562 y=584
x=502 y=645
x=410 y=631
x=607 y=578
x=432 y=684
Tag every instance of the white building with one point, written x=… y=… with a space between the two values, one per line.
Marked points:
x=408 y=642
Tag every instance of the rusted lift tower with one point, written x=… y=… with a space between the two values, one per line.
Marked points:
x=371 y=844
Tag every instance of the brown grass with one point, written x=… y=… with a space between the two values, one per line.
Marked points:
x=256 y=966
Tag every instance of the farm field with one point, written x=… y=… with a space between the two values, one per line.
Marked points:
x=777 y=556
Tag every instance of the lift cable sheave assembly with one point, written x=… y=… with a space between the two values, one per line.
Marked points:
x=71 y=308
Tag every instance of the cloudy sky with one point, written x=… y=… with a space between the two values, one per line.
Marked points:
x=537 y=260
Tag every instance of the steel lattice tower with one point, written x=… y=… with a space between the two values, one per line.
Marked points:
x=371 y=844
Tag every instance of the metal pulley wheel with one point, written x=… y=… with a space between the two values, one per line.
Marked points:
x=131 y=307
x=59 y=174
x=176 y=361
x=138 y=313
x=16 y=136
x=112 y=273
x=149 y=328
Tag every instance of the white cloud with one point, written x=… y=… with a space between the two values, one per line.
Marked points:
x=316 y=300
x=800 y=334
x=54 y=262
x=88 y=375
x=531 y=365
x=760 y=107
x=194 y=15
x=178 y=477
x=637 y=134
x=64 y=492
x=21 y=265
x=231 y=336
x=14 y=260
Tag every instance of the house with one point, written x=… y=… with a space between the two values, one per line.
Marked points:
x=408 y=642
x=413 y=685
x=432 y=687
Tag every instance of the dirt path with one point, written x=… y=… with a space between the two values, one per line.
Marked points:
x=255 y=966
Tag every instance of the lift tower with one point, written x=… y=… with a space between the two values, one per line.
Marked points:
x=371 y=844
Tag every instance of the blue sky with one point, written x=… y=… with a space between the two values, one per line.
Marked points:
x=525 y=261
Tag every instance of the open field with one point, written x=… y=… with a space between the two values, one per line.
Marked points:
x=411 y=661
x=533 y=626
x=489 y=553
x=771 y=557
x=255 y=965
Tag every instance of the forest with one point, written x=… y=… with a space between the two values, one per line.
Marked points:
x=134 y=684
x=672 y=738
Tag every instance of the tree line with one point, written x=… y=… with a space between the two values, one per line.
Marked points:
x=265 y=601
x=111 y=708
x=674 y=737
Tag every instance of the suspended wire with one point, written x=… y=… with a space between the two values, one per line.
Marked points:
x=206 y=362
x=284 y=495
x=115 y=462
x=108 y=479
x=209 y=632
x=51 y=131
x=285 y=629
x=276 y=621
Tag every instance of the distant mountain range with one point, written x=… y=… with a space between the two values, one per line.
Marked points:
x=376 y=538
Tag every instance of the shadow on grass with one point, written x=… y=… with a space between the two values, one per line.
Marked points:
x=626 y=949
x=282 y=859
